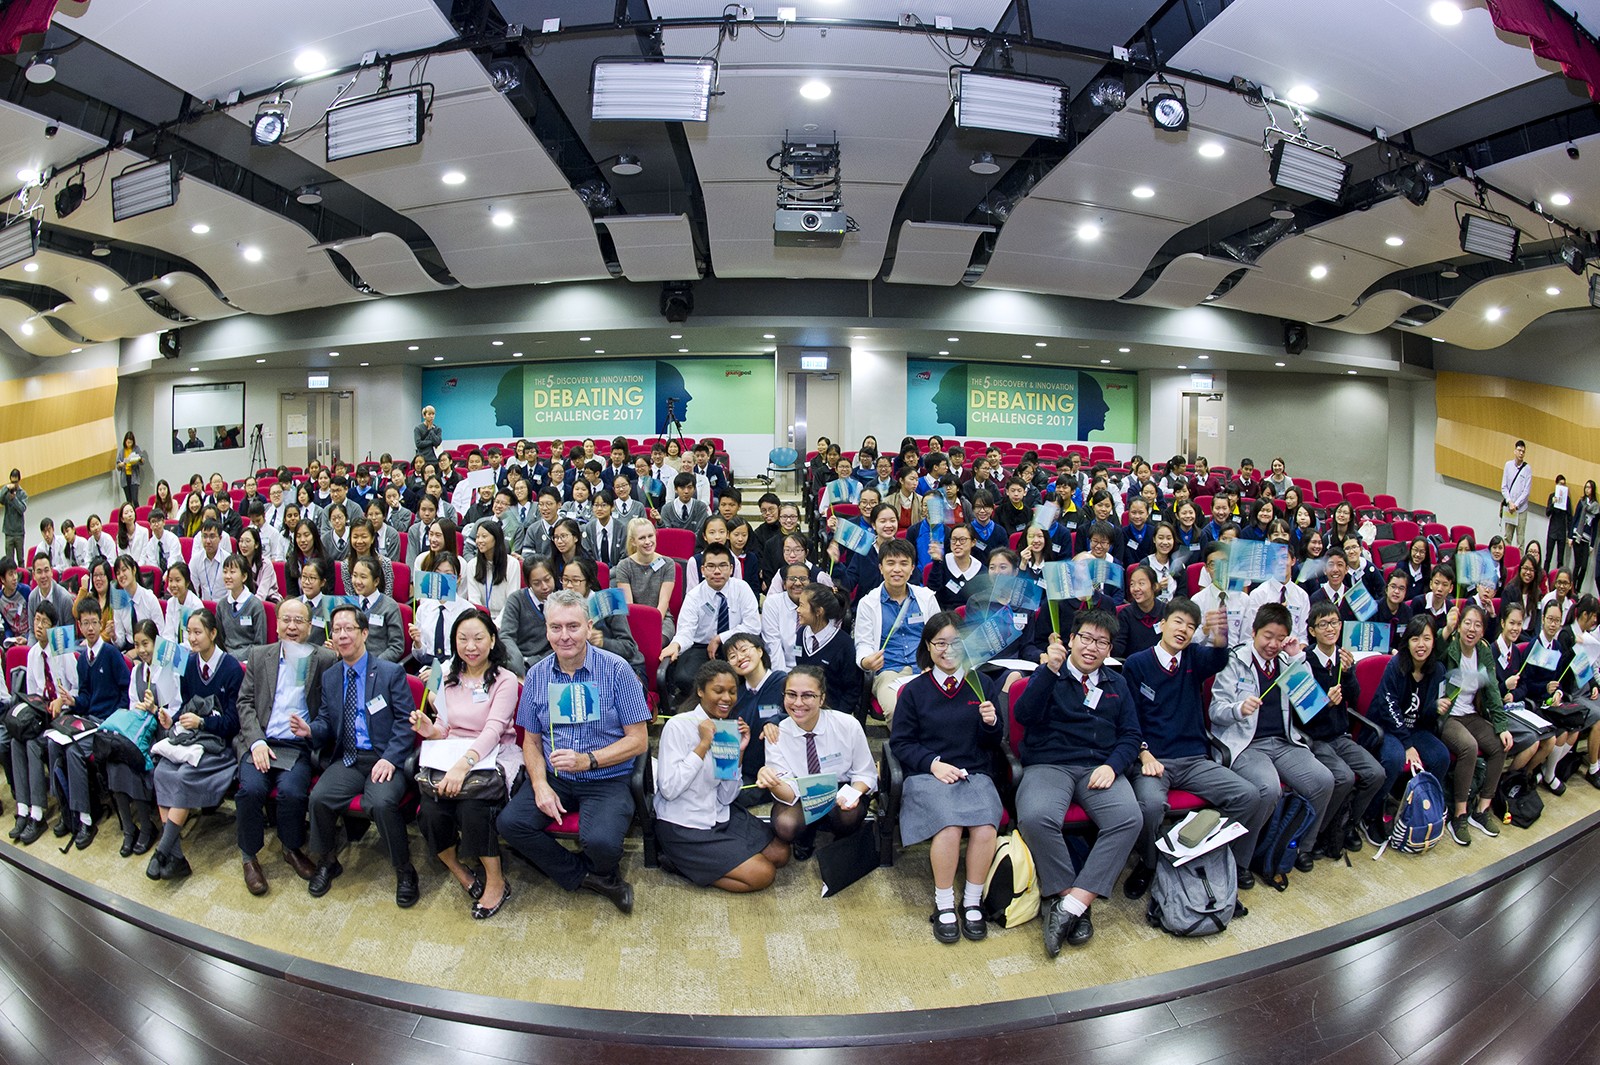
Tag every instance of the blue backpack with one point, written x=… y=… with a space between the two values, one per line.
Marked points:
x=1419 y=824
x=1283 y=838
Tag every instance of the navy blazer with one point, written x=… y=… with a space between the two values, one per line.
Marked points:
x=389 y=729
x=103 y=683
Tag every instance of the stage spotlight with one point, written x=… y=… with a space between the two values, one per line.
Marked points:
x=677 y=301
x=271 y=122
x=1168 y=108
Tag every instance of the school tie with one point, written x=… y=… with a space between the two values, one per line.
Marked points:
x=1172 y=666
x=438 y=634
x=813 y=762
x=722 y=613
x=950 y=685
x=605 y=546
x=205 y=673
x=161 y=556
x=352 y=706
x=1283 y=594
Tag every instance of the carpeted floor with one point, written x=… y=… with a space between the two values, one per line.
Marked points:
x=784 y=951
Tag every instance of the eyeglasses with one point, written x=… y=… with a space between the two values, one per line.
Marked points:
x=943 y=645
x=1327 y=623
x=803 y=697
x=1093 y=641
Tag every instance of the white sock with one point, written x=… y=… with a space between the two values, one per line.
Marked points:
x=1071 y=904
x=944 y=898
x=86 y=819
x=36 y=812
x=1594 y=767
x=971 y=895
x=1556 y=754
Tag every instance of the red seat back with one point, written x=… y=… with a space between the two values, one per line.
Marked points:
x=1369 y=671
x=644 y=623
x=675 y=543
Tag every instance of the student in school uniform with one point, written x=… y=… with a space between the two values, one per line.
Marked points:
x=1357 y=775
x=1139 y=619
x=889 y=621
x=385 y=628
x=102 y=685
x=1283 y=590
x=956 y=569
x=716 y=608
x=605 y=537
x=685 y=511
x=1393 y=609
x=1438 y=604
x=1530 y=748
x=241 y=615
x=822 y=642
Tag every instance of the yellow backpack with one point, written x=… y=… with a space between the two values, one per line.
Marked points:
x=1011 y=890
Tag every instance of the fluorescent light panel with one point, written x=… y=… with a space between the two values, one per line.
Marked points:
x=149 y=188
x=669 y=90
x=1014 y=105
x=1594 y=290
x=19 y=240
x=1489 y=238
x=1295 y=166
x=375 y=124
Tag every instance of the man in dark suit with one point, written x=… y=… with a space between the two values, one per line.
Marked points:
x=368 y=726
x=282 y=687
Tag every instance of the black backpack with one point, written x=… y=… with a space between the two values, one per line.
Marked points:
x=1517 y=799
x=1283 y=838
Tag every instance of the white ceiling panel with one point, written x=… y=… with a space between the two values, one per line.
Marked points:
x=1040 y=249
x=255 y=45
x=288 y=277
x=30 y=332
x=123 y=312
x=654 y=247
x=933 y=253
x=190 y=294
x=1186 y=281
x=968 y=13
x=1514 y=299
x=1364 y=57
x=1378 y=311
x=739 y=225
x=1547 y=172
x=551 y=238
x=24 y=146
x=388 y=264
x=1284 y=285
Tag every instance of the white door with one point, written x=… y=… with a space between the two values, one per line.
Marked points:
x=813 y=410
x=317 y=425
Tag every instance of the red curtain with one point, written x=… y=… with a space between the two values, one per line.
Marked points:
x=1553 y=35
x=24 y=18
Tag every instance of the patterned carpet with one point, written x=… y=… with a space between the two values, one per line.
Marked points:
x=784 y=951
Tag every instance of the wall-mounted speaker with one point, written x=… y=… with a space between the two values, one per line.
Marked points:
x=1296 y=335
x=169 y=344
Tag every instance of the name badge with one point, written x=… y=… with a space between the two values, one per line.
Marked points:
x=376 y=703
x=479 y=695
x=954 y=586
x=375 y=620
x=1091 y=699
x=831 y=757
x=247 y=621
x=1148 y=692
x=771 y=713
x=1019 y=621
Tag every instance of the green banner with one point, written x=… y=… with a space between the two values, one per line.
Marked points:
x=1005 y=400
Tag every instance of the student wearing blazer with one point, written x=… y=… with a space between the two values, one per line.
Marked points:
x=1263 y=739
x=386 y=632
x=367 y=731
x=102 y=685
x=613 y=549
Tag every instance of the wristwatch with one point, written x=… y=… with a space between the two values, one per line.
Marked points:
x=594 y=763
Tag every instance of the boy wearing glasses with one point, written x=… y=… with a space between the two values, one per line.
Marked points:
x=1355 y=771
x=1081 y=734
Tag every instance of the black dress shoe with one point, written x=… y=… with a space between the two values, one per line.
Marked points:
x=1304 y=861
x=613 y=887
x=127 y=844
x=801 y=852
x=1055 y=927
x=944 y=931
x=63 y=827
x=1246 y=878
x=406 y=891
x=145 y=840
x=1079 y=930
x=481 y=912
x=474 y=890
x=1352 y=838
x=31 y=832
x=1138 y=881
x=85 y=835
x=323 y=878
x=176 y=868
x=16 y=829
x=156 y=870
x=973 y=924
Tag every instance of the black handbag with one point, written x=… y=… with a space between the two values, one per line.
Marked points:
x=27 y=717
x=480 y=785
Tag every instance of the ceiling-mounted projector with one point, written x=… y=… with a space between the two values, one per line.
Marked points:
x=809 y=227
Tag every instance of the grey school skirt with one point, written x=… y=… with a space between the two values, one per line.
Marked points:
x=196 y=786
x=928 y=806
x=705 y=855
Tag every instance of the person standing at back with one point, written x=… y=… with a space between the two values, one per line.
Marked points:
x=428 y=436
x=1516 y=482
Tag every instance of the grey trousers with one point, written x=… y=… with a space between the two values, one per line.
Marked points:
x=1043 y=797
x=1271 y=762
x=1232 y=795
x=1354 y=770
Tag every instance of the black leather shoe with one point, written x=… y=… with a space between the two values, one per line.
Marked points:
x=945 y=931
x=85 y=835
x=1246 y=878
x=1352 y=838
x=1055 y=927
x=618 y=890
x=1079 y=930
x=31 y=832
x=481 y=912
x=157 y=867
x=127 y=844
x=323 y=878
x=145 y=840
x=406 y=891
x=16 y=829
x=474 y=890
x=801 y=852
x=63 y=827
x=1304 y=861
x=973 y=924
x=1138 y=881
x=176 y=868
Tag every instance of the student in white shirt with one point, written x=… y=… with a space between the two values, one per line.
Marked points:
x=1283 y=591
x=840 y=746
x=181 y=602
x=714 y=609
x=705 y=836
x=780 y=618
x=143 y=606
x=1210 y=597
x=161 y=548
x=206 y=562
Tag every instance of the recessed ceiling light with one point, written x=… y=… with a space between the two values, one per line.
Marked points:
x=764 y=336
x=1211 y=150
x=599 y=351
x=31 y=268
x=411 y=347
x=1319 y=272
x=1560 y=199
x=252 y=254
x=1493 y=314
x=310 y=61
x=453 y=177
x=1205 y=356
x=1143 y=192
x=944 y=353
x=260 y=361
x=76 y=350
x=1125 y=350
x=1040 y=344
x=1183 y=366
x=438 y=358
x=27 y=329
x=101 y=294
x=683 y=351
x=672 y=336
x=503 y=219
x=1026 y=355
x=1280 y=364
x=1450 y=273
x=498 y=343
x=953 y=340
x=1303 y=94
x=516 y=354
x=1105 y=362
x=1088 y=231
x=1445 y=13
x=199 y=229
x=366 y=364
x=1352 y=373
x=815 y=90
x=1394 y=242
x=1552 y=291
x=1437 y=340
x=860 y=336
x=194 y=369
